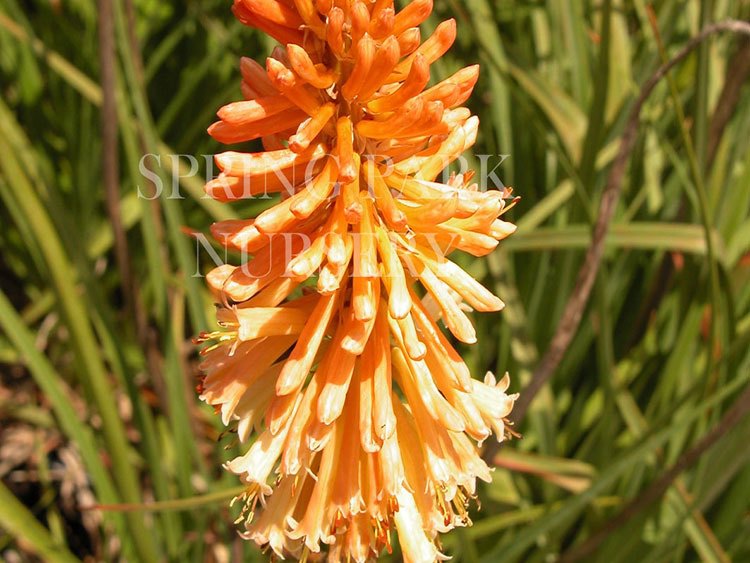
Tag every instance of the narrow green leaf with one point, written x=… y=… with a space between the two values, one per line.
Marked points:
x=29 y=533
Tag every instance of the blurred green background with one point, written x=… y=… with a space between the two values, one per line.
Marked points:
x=97 y=371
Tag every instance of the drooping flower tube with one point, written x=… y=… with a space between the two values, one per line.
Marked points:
x=330 y=362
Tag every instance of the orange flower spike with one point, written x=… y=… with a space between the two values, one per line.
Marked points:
x=248 y=92
x=454 y=90
x=227 y=380
x=439 y=42
x=465 y=405
x=476 y=244
x=353 y=143
x=449 y=365
x=359 y=538
x=216 y=278
x=502 y=229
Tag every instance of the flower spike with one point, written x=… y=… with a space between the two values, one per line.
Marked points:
x=330 y=359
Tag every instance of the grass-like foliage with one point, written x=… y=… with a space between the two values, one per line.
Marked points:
x=635 y=446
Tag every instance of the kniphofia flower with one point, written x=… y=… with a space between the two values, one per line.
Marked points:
x=362 y=416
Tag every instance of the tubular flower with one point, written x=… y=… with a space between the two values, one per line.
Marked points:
x=362 y=416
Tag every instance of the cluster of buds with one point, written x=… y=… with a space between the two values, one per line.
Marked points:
x=362 y=416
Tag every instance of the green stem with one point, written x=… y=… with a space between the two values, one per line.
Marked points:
x=175 y=504
x=703 y=211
